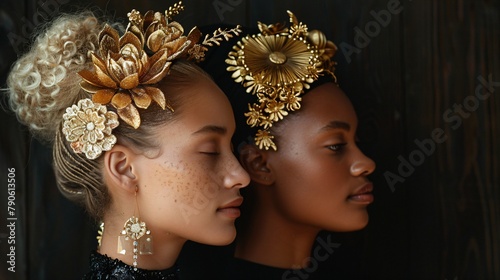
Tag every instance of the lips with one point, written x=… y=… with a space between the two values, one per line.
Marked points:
x=231 y=209
x=363 y=194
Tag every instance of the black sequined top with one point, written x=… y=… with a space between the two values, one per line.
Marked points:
x=102 y=267
x=246 y=270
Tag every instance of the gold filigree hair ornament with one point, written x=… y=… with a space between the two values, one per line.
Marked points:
x=88 y=127
x=277 y=65
x=127 y=68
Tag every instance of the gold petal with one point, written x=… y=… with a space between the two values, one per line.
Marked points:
x=141 y=98
x=262 y=27
x=105 y=80
x=177 y=47
x=130 y=38
x=86 y=86
x=130 y=82
x=90 y=77
x=160 y=55
x=158 y=68
x=114 y=56
x=318 y=38
x=236 y=74
x=115 y=70
x=150 y=29
x=130 y=67
x=90 y=137
x=121 y=100
x=111 y=121
x=161 y=18
x=293 y=19
x=145 y=65
x=155 y=40
x=330 y=48
x=130 y=115
x=98 y=62
x=231 y=62
x=155 y=79
x=108 y=40
x=181 y=51
x=194 y=35
x=103 y=96
x=137 y=32
x=148 y=18
x=75 y=134
x=108 y=143
x=178 y=26
x=159 y=97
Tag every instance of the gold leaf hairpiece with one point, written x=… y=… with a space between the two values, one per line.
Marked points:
x=277 y=65
x=125 y=73
x=127 y=68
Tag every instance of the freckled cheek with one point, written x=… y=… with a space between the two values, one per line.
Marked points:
x=193 y=186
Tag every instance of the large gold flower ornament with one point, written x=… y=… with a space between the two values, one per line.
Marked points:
x=123 y=73
x=277 y=65
x=278 y=60
x=127 y=68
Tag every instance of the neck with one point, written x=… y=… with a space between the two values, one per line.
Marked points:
x=271 y=239
x=166 y=247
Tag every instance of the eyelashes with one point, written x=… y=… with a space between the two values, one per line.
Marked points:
x=336 y=147
x=210 y=153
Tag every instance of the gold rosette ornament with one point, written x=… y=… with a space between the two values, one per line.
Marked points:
x=127 y=68
x=277 y=65
x=134 y=228
x=88 y=127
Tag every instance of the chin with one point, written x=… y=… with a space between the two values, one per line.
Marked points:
x=355 y=224
x=347 y=228
x=360 y=226
x=218 y=238
x=224 y=241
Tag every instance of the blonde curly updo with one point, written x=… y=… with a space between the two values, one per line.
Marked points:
x=45 y=81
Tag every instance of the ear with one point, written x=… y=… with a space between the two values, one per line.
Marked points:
x=119 y=168
x=254 y=161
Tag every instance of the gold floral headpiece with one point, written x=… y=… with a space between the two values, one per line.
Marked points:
x=127 y=68
x=277 y=65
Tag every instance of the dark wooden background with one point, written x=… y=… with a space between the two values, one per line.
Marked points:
x=416 y=73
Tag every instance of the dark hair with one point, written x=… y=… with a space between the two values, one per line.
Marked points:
x=215 y=65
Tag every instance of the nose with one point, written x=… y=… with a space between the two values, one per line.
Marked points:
x=236 y=176
x=362 y=165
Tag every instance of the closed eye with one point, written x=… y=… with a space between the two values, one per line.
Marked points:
x=337 y=147
x=211 y=153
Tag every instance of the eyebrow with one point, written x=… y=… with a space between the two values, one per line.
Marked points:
x=336 y=125
x=212 y=129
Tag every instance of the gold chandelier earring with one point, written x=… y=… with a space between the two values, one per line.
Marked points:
x=135 y=236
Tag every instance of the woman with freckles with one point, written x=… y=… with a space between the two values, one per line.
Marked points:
x=141 y=136
x=296 y=137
